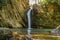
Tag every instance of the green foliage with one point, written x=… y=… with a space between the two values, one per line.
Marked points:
x=3 y=3
x=51 y=0
x=48 y=16
x=4 y=36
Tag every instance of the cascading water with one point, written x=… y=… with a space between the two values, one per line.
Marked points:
x=29 y=23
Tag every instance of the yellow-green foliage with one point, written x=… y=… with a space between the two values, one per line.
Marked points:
x=10 y=13
x=48 y=16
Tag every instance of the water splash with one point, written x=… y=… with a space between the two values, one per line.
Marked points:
x=56 y=31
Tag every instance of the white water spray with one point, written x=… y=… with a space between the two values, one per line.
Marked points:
x=56 y=31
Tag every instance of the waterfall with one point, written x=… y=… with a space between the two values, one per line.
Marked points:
x=29 y=22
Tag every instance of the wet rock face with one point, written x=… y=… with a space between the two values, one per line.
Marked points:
x=11 y=13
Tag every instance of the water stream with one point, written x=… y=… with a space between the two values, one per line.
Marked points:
x=29 y=23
